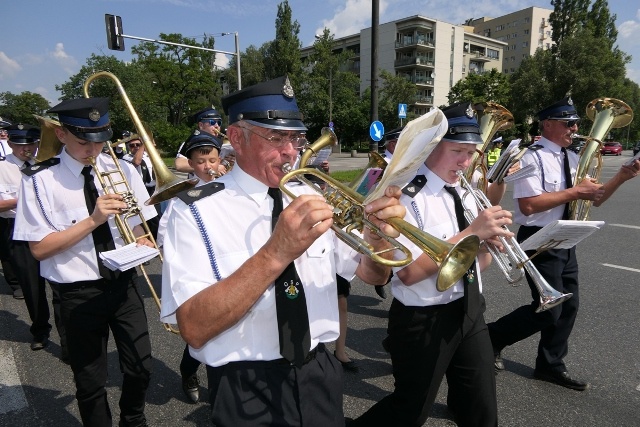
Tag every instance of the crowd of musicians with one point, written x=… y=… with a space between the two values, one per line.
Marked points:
x=253 y=292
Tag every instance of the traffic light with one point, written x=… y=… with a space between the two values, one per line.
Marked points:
x=115 y=41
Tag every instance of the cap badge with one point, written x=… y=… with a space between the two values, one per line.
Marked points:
x=469 y=112
x=196 y=132
x=94 y=115
x=20 y=126
x=194 y=193
x=570 y=101
x=287 y=89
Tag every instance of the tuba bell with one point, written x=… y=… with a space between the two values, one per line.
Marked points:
x=606 y=114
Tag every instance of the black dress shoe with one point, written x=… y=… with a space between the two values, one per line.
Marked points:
x=350 y=366
x=17 y=294
x=191 y=388
x=39 y=343
x=498 y=363
x=560 y=378
x=381 y=292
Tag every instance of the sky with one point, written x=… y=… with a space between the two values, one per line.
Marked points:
x=44 y=43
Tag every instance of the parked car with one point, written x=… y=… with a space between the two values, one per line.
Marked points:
x=636 y=148
x=614 y=148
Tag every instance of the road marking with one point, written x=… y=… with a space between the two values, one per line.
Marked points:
x=621 y=267
x=635 y=227
x=12 y=396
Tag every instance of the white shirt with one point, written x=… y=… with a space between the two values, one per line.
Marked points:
x=10 y=177
x=535 y=184
x=238 y=222
x=162 y=224
x=147 y=161
x=57 y=202
x=437 y=215
x=5 y=149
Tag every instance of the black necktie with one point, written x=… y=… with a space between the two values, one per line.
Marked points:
x=291 y=303
x=102 y=238
x=567 y=178
x=471 y=299
x=26 y=165
x=146 y=177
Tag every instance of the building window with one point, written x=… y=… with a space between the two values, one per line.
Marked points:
x=493 y=54
x=526 y=32
x=527 y=20
x=500 y=28
x=525 y=44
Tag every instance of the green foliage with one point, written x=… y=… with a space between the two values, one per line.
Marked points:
x=21 y=108
x=394 y=90
x=283 y=55
x=567 y=17
x=492 y=86
x=346 y=176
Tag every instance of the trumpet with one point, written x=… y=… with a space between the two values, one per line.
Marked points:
x=349 y=216
x=512 y=262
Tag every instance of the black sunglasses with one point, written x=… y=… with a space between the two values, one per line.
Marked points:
x=570 y=123
x=212 y=122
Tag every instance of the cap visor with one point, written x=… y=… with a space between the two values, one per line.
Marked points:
x=101 y=136
x=282 y=124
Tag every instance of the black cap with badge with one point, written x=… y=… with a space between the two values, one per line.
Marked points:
x=199 y=139
x=208 y=113
x=269 y=104
x=22 y=134
x=86 y=118
x=463 y=125
x=561 y=110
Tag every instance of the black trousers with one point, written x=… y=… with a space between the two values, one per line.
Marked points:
x=559 y=267
x=276 y=394
x=89 y=310
x=188 y=365
x=8 y=265
x=427 y=343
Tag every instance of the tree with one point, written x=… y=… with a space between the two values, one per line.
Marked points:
x=492 y=86
x=567 y=17
x=601 y=23
x=283 y=56
x=394 y=90
x=252 y=70
x=21 y=108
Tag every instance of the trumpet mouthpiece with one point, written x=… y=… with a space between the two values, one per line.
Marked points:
x=286 y=168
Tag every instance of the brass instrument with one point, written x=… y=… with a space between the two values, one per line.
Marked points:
x=453 y=260
x=50 y=146
x=606 y=114
x=115 y=182
x=512 y=262
x=167 y=184
x=494 y=118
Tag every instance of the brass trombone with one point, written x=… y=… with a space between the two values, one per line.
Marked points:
x=115 y=182
x=453 y=260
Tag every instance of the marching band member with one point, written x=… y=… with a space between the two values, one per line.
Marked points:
x=255 y=304
x=67 y=222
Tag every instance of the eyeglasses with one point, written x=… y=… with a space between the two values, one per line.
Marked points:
x=212 y=122
x=298 y=141
x=135 y=145
x=570 y=123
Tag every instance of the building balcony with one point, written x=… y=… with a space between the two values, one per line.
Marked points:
x=422 y=99
x=413 y=61
x=413 y=43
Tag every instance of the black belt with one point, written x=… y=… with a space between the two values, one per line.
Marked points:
x=311 y=356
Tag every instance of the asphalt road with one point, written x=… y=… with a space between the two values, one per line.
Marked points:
x=36 y=388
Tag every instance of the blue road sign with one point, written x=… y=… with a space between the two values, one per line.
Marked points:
x=402 y=111
x=376 y=130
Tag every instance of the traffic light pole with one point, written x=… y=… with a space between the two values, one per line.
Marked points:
x=115 y=42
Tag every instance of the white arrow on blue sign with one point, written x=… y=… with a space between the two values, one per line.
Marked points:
x=402 y=111
x=376 y=130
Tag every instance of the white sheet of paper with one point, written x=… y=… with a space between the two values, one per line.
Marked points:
x=127 y=256
x=562 y=234
x=417 y=140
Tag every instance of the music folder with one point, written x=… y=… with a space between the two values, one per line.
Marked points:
x=561 y=234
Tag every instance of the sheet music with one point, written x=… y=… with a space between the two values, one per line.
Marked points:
x=127 y=256
x=561 y=234
x=417 y=140
x=523 y=172
x=321 y=156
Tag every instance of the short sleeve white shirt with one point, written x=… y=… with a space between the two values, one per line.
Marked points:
x=547 y=178
x=433 y=210
x=237 y=221
x=10 y=177
x=53 y=200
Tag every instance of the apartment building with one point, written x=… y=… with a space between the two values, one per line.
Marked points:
x=432 y=54
x=523 y=31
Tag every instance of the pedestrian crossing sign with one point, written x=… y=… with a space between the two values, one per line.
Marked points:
x=402 y=111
